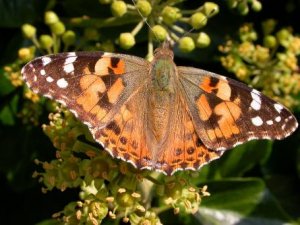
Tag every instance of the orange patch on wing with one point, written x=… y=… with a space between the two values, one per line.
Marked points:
x=99 y=112
x=92 y=83
x=120 y=68
x=103 y=67
x=229 y=113
x=223 y=90
x=91 y=86
x=115 y=90
x=126 y=114
x=205 y=85
x=204 y=109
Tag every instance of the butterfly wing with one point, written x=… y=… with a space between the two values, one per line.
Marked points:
x=227 y=113
x=93 y=85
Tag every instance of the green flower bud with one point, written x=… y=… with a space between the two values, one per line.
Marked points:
x=198 y=20
x=203 y=40
x=50 y=18
x=25 y=54
x=105 y=2
x=268 y=26
x=46 y=41
x=186 y=44
x=29 y=31
x=58 y=28
x=160 y=32
x=91 y=34
x=243 y=8
x=283 y=37
x=232 y=3
x=118 y=8
x=270 y=41
x=69 y=37
x=210 y=9
x=256 y=6
x=144 y=7
x=126 y=40
x=170 y=14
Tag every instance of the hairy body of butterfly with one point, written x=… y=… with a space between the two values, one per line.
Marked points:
x=157 y=115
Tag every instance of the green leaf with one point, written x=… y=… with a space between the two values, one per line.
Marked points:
x=240 y=201
x=237 y=161
x=5 y=85
x=8 y=111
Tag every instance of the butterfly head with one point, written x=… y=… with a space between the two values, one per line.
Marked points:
x=164 y=51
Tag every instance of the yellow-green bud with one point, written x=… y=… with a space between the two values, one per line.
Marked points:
x=203 y=40
x=198 y=20
x=46 y=41
x=170 y=14
x=210 y=9
x=118 y=8
x=58 y=28
x=186 y=44
x=105 y=2
x=256 y=6
x=126 y=40
x=270 y=41
x=144 y=7
x=243 y=8
x=268 y=26
x=50 y=17
x=69 y=37
x=29 y=31
x=232 y=3
x=25 y=54
x=160 y=32
x=283 y=37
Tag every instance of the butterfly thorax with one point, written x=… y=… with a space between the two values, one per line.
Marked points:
x=161 y=98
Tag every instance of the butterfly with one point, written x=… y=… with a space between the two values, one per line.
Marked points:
x=157 y=115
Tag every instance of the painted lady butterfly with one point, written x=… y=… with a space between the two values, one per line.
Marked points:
x=157 y=115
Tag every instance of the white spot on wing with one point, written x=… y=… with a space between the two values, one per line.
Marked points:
x=270 y=122
x=69 y=68
x=278 y=119
x=257 y=121
x=70 y=60
x=62 y=83
x=49 y=79
x=256 y=100
x=70 y=54
x=278 y=107
x=46 y=60
x=43 y=72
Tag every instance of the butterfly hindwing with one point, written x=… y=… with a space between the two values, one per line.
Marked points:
x=93 y=85
x=227 y=113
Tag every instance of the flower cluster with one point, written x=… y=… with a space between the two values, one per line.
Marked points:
x=109 y=189
x=269 y=63
x=165 y=21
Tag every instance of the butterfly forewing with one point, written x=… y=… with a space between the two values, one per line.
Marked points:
x=227 y=113
x=93 y=85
